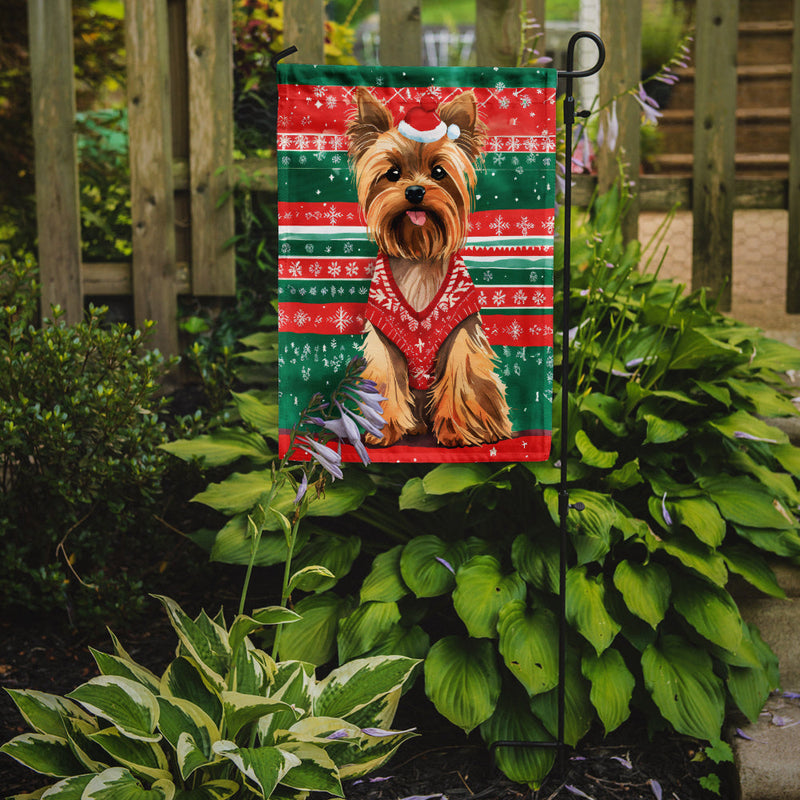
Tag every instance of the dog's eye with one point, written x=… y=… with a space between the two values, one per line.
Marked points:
x=393 y=174
x=437 y=173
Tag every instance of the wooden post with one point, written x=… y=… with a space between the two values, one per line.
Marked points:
x=621 y=28
x=498 y=31
x=717 y=24
x=304 y=27
x=56 y=159
x=793 y=267
x=152 y=202
x=210 y=53
x=400 y=33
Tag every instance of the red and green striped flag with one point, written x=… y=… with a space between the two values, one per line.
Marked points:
x=329 y=266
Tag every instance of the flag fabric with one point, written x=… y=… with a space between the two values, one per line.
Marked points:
x=330 y=270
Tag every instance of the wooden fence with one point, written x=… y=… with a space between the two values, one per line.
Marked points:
x=180 y=92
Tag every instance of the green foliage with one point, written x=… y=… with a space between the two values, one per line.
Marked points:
x=222 y=718
x=79 y=430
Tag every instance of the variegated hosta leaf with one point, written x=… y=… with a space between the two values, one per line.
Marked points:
x=183 y=679
x=683 y=685
x=481 y=591
x=204 y=641
x=45 y=712
x=145 y=759
x=44 y=753
x=179 y=718
x=385 y=581
x=294 y=685
x=126 y=704
x=316 y=771
x=358 y=683
x=262 y=766
x=586 y=608
x=462 y=680
x=646 y=589
x=244 y=625
x=78 y=733
x=529 y=645
x=373 y=753
x=513 y=721
x=125 y=668
x=117 y=783
x=68 y=789
x=212 y=790
x=242 y=709
x=252 y=670
x=612 y=687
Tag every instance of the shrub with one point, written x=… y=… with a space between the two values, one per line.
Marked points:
x=683 y=483
x=223 y=720
x=79 y=430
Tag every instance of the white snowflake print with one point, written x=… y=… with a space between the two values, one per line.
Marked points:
x=499 y=86
x=306 y=373
x=524 y=225
x=519 y=297
x=341 y=319
x=303 y=159
x=519 y=170
x=306 y=121
x=330 y=101
x=348 y=247
x=283 y=318
x=538 y=299
x=315 y=269
x=498 y=157
x=482 y=299
x=503 y=102
x=309 y=248
x=300 y=142
x=499 y=225
x=301 y=319
x=302 y=291
x=487 y=276
x=525 y=101
x=550 y=226
x=286 y=161
x=335 y=270
x=332 y=215
x=285 y=248
x=514 y=330
x=351 y=269
x=295 y=269
x=313 y=291
x=336 y=158
x=498 y=298
x=284 y=142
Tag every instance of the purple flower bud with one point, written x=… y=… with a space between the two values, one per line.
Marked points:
x=664 y=512
x=328 y=459
x=624 y=761
x=447 y=564
x=577 y=792
x=655 y=786
x=342 y=733
x=751 y=437
x=301 y=489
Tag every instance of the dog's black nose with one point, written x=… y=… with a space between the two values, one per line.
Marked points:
x=414 y=194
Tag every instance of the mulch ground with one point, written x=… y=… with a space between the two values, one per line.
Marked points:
x=44 y=654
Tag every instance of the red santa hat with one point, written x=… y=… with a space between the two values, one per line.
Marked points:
x=423 y=124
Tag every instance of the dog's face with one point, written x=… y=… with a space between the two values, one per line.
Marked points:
x=415 y=195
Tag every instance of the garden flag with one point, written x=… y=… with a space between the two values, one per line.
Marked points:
x=416 y=221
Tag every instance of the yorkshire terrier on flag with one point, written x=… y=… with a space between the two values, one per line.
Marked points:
x=425 y=347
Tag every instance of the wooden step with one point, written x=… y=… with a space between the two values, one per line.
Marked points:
x=765 y=41
x=753 y=10
x=767 y=165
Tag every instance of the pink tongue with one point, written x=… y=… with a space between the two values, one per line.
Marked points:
x=417 y=217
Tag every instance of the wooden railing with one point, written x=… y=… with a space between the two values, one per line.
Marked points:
x=181 y=134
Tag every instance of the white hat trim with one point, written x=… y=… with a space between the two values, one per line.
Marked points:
x=426 y=137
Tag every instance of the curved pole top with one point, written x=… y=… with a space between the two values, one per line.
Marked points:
x=570 y=72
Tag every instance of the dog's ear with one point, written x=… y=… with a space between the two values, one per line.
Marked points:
x=462 y=110
x=372 y=118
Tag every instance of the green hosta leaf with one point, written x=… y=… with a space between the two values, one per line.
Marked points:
x=449 y=478
x=481 y=591
x=125 y=668
x=753 y=567
x=355 y=685
x=462 y=680
x=601 y=459
x=767 y=401
x=385 y=582
x=261 y=416
x=223 y=446
x=782 y=543
x=263 y=766
x=663 y=431
x=788 y=455
x=645 y=588
x=414 y=497
x=44 y=753
x=590 y=528
x=693 y=554
x=424 y=565
x=512 y=721
x=126 y=704
x=578 y=710
x=701 y=517
x=117 y=783
x=612 y=687
x=709 y=610
x=212 y=790
x=586 y=608
x=399 y=640
x=716 y=391
x=339 y=498
x=207 y=644
x=774 y=355
x=313 y=638
x=183 y=680
x=334 y=553
x=365 y=627
x=741 y=425
x=627 y=476
x=312 y=577
x=537 y=561
x=45 y=712
x=145 y=759
x=316 y=772
x=608 y=410
x=233 y=544
x=529 y=645
x=745 y=502
x=239 y=492
x=242 y=709
x=683 y=685
x=696 y=349
x=749 y=688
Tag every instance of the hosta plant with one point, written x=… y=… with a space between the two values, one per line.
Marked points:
x=224 y=720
